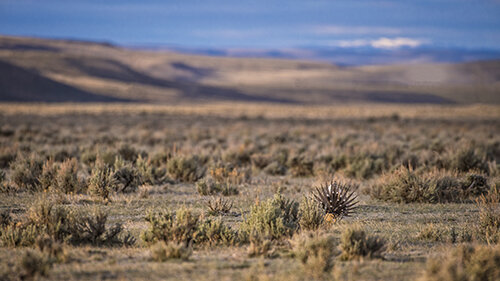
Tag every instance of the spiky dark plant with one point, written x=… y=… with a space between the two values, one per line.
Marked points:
x=219 y=206
x=336 y=198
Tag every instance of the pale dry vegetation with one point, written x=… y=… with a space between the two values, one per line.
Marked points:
x=122 y=193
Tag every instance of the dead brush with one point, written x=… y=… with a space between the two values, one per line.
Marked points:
x=336 y=198
x=230 y=175
x=489 y=216
x=219 y=206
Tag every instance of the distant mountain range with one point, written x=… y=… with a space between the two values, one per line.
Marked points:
x=351 y=56
x=45 y=70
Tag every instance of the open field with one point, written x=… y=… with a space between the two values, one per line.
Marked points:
x=417 y=171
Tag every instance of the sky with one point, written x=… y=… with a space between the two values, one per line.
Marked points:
x=390 y=24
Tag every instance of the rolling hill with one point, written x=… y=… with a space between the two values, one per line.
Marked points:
x=43 y=70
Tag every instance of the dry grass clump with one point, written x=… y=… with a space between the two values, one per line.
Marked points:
x=7 y=155
x=184 y=226
x=5 y=218
x=261 y=247
x=208 y=186
x=301 y=167
x=26 y=171
x=467 y=159
x=434 y=233
x=316 y=253
x=149 y=172
x=362 y=165
x=90 y=228
x=406 y=185
x=126 y=175
x=219 y=206
x=66 y=177
x=489 y=216
x=44 y=218
x=177 y=226
x=465 y=263
x=275 y=169
x=48 y=176
x=274 y=218
x=162 y=251
x=55 y=250
x=101 y=182
x=403 y=186
x=185 y=169
x=311 y=215
x=356 y=244
x=33 y=265
x=227 y=174
x=237 y=156
x=215 y=232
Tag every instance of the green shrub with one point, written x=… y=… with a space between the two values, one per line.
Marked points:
x=50 y=219
x=467 y=159
x=465 y=263
x=127 y=176
x=261 y=247
x=33 y=265
x=4 y=186
x=149 y=173
x=101 y=182
x=228 y=174
x=275 y=218
x=26 y=171
x=169 y=226
x=53 y=249
x=311 y=215
x=208 y=187
x=67 y=177
x=238 y=157
x=5 y=218
x=489 y=216
x=355 y=244
x=260 y=161
x=474 y=185
x=215 y=232
x=18 y=236
x=90 y=228
x=128 y=153
x=407 y=186
x=433 y=233
x=315 y=253
x=300 y=167
x=364 y=166
x=275 y=169
x=7 y=155
x=404 y=186
x=2 y=176
x=162 y=251
x=229 y=190
x=185 y=169
x=47 y=178
x=61 y=225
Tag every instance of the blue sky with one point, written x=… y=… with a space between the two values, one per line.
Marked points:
x=261 y=24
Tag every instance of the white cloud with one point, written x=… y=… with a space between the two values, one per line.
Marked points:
x=388 y=43
x=355 y=30
x=353 y=43
x=381 y=43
